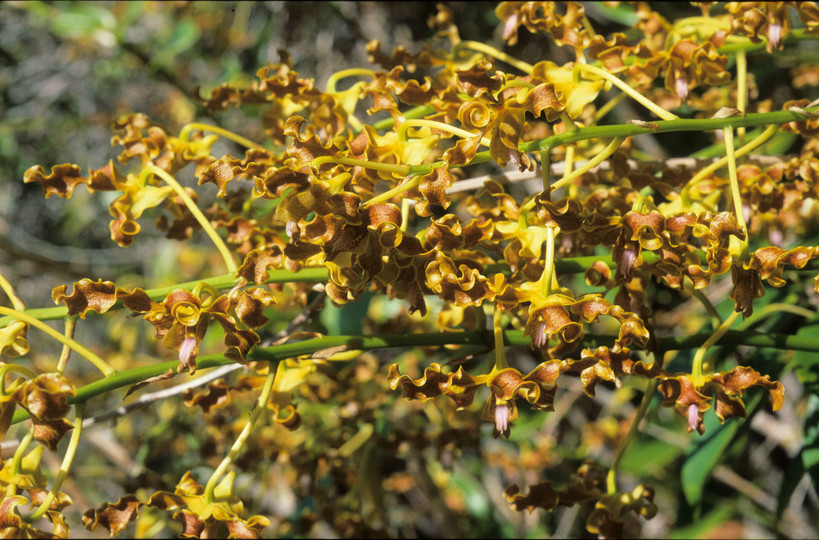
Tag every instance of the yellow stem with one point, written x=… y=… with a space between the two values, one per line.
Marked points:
x=64 y=467
x=412 y=183
x=17 y=460
x=608 y=106
x=185 y=133
x=567 y=120
x=432 y=124
x=405 y=208
x=778 y=307
x=16 y=302
x=9 y=368
x=699 y=356
x=753 y=145
x=592 y=163
x=500 y=355
x=330 y=87
x=200 y=217
x=548 y=276
x=739 y=212
x=569 y=167
x=634 y=94
x=611 y=477
x=546 y=173
x=80 y=349
x=261 y=405
x=383 y=167
x=70 y=323
x=742 y=90
x=492 y=51
x=716 y=320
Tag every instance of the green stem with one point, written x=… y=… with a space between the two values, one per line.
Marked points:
x=513 y=338
x=563 y=266
x=239 y=443
x=226 y=281
x=80 y=349
x=64 y=467
x=200 y=217
x=632 y=130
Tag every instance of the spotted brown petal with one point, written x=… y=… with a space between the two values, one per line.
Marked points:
x=739 y=379
x=585 y=485
x=216 y=396
x=86 y=296
x=61 y=181
x=424 y=388
x=113 y=516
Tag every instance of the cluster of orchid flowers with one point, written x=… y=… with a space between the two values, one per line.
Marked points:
x=375 y=206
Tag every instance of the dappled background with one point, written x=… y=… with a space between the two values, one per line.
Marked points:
x=67 y=70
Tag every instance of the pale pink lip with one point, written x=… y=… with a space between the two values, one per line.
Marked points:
x=186 y=349
x=693 y=416
x=502 y=413
x=681 y=85
x=775 y=34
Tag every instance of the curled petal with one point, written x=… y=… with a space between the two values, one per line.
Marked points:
x=87 y=295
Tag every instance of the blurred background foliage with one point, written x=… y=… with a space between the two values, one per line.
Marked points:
x=365 y=462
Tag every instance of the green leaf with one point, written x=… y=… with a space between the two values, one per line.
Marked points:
x=78 y=20
x=810 y=448
x=794 y=472
x=712 y=519
x=705 y=452
x=806 y=364
x=650 y=456
x=347 y=319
